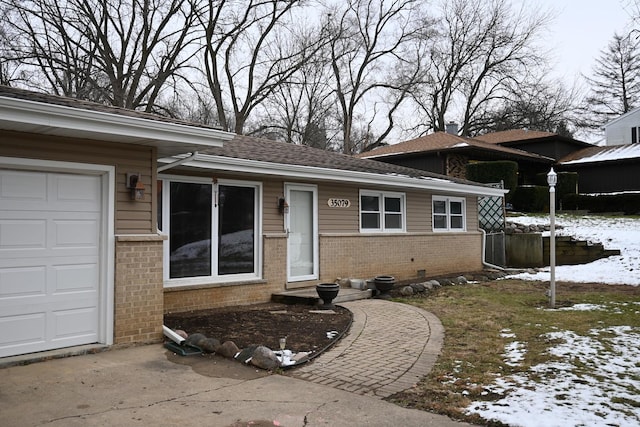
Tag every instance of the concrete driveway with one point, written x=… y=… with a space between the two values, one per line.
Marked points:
x=147 y=385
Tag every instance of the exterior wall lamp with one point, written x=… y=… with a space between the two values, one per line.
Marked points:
x=135 y=185
x=283 y=206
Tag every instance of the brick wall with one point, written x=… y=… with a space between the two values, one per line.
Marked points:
x=229 y=294
x=402 y=256
x=138 y=291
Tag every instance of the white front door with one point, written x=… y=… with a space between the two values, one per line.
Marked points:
x=50 y=251
x=302 y=233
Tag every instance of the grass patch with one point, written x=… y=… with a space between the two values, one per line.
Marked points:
x=481 y=319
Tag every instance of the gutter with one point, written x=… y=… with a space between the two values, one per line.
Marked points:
x=443 y=184
x=177 y=162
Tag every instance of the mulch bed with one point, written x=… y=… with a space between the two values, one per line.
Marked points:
x=264 y=324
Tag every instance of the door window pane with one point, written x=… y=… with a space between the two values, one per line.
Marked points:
x=236 y=228
x=190 y=230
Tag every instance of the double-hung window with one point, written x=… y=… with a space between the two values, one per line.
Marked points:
x=382 y=211
x=448 y=214
x=212 y=228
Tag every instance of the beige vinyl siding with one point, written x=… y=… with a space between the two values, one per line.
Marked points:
x=272 y=219
x=131 y=217
x=418 y=211
x=338 y=220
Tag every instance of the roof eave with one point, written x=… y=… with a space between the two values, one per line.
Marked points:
x=204 y=161
x=52 y=119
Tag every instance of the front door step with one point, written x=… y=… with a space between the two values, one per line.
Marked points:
x=309 y=296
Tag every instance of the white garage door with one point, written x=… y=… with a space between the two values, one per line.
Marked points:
x=49 y=260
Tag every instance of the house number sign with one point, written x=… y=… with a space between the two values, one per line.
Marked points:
x=339 y=203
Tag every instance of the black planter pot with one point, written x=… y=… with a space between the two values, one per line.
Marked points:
x=384 y=284
x=327 y=292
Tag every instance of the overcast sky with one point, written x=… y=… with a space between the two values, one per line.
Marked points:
x=580 y=30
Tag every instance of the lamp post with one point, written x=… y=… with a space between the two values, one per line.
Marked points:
x=552 y=179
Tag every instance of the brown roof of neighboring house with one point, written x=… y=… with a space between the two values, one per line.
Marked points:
x=602 y=154
x=514 y=135
x=440 y=141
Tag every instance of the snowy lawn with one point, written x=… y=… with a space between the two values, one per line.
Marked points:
x=509 y=359
x=613 y=232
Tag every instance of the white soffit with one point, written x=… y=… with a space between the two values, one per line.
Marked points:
x=51 y=119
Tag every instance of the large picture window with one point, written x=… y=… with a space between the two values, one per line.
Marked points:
x=381 y=212
x=448 y=214
x=212 y=230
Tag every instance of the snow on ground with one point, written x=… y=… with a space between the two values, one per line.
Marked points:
x=595 y=380
x=614 y=232
x=602 y=392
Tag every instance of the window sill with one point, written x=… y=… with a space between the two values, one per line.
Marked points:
x=196 y=286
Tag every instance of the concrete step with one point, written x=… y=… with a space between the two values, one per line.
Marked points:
x=309 y=296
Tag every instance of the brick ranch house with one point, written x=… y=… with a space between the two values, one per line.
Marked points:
x=110 y=218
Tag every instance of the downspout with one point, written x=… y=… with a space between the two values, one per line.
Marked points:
x=484 y=245
x=177 y=162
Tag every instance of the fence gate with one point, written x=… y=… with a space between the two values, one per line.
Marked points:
x=491 y=216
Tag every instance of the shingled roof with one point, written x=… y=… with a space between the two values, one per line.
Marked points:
x=515 y=136
x=441 y=141
x=46 y=98
x=269 y=151
x=602 y=154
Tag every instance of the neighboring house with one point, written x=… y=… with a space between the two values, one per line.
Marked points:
x=623 y=130
x=87 y=257
x=605 y=169
x=448 y=154
x=547 y=144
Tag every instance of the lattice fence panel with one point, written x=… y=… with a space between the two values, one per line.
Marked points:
x=491 y=212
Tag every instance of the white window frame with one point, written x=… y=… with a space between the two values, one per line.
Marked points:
x=448 y=215
x=214 y=278
x=381 y=195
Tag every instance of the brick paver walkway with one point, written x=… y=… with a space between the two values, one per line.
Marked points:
x=389 y=347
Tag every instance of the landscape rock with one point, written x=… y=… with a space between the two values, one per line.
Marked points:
x=264 y=358
x=461 y=280
x=228 y=349
x=195 y=339
x=434 y=283
x=418 y=287
x=209 y=345
x=406 y=291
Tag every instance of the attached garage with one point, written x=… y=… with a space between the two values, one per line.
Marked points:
x=52 y=283
x=80 y=257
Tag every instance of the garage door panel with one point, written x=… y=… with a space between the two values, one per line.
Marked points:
x=23 y=189
x=22 y=333
x=75 y=233
x=22 y=234
x=22 y=281
x=79 y=190
x=75 y=277
x=75 y=324
x=50 y=251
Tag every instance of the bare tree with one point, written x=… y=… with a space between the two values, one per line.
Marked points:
x=482 y=48
x=300 y=111
x=249 y=51
x=614 y=82
x=123 y=53
x=536 y=105
x=376 y=58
